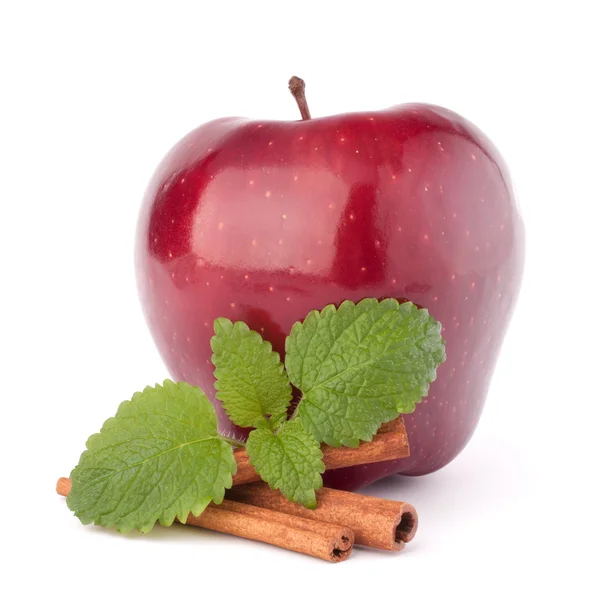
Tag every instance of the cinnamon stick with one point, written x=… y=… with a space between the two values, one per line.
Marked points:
x=390 y=443
x=378 y=523
x=323 y=540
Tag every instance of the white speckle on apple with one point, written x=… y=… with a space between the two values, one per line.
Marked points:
x=371 y=118
x=309 y=262
x=262 y=329
x=468 y=233
x=288 y=299
x=188 y=339
x=271 y=288
x=472 y=284
x=296 y=178
x=182 y=181
x=250 y=182
x=206 y=324
x=499 y=295
x=453 y=276
x=284 y=216
x=471 y=321
x=254 y=243
x=271 y=143
x=498 y=278
x=267 y=194
x=410 y=170
x=221 y=225
x=426 y=187
x=173 y=275
x=425 y=237
x=221 y=276
x=351 y=217
x=232 y=304
x=501 y=227
x=301 y=138
x=280 y=242
x=393 y=177
x=363 y=269
x=316 y=149
x=477 y=248
x=259 y=126
x=319 y=242
x=454 y=215
x=245 y=276
x=399 y=228
x=473 y=157
x=394 y=281
x=207 y=283
x=342 y=139
x=435 y=298
x=166 y=302
x=170 y=255
x=331 y=206
x=357 y=151
x=155 y=240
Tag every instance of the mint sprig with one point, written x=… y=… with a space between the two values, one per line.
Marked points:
x=159 y=458
x=361 y=365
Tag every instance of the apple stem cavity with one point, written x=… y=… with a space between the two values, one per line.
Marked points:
x=297 y=86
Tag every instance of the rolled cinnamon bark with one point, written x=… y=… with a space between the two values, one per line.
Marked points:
x=323 y=540
x=378 y=523
x=390 y=443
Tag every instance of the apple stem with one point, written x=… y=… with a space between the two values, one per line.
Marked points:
x=297 y=86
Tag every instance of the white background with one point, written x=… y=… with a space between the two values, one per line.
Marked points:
x=93 y=96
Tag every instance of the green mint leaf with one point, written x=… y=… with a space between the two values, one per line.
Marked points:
x=361 y=365
x=289 y=460
x=251 y=380
x=159 y=458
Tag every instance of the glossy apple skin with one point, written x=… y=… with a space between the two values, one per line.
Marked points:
x=263 y=221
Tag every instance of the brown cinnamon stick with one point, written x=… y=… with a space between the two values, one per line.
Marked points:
x=378 y=523
x=323 y=540
x=390 y=443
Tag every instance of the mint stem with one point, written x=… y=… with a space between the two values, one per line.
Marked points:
x=232 y=441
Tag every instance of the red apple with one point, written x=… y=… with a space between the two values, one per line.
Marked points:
x=263 y=221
